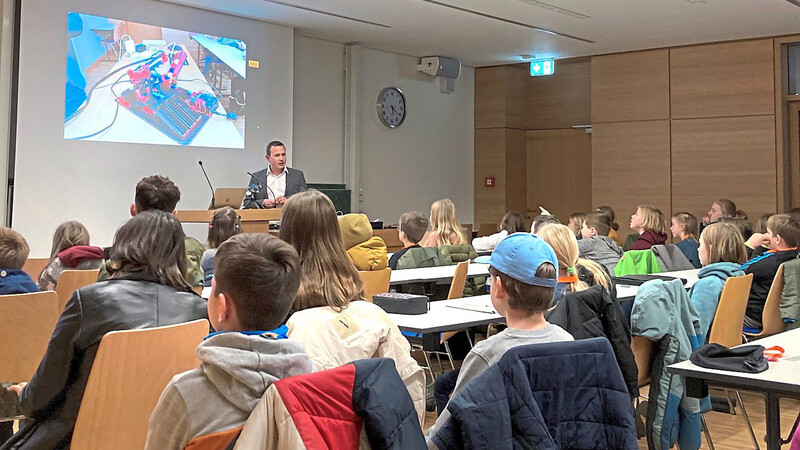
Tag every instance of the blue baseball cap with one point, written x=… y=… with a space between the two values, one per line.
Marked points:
x=519 y=256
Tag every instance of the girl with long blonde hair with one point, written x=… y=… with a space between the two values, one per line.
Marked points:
x=326 y=319
x=445 y=227
x=570 y=265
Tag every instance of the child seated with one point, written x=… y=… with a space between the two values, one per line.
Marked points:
x=783 y=236
x=575 y=224
x=685 y=228
x=512 y=223
x=71 y=250
x=367 y=252
x=446 y=228
x=574 y=274
x=523 y=271
x=648 y=221
x=412 y=228
x=596 y=245
x=14 y=252
x=722 y=253
x=225 y=223
x=254 y=285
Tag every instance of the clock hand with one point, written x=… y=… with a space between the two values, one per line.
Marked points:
x=393 y=110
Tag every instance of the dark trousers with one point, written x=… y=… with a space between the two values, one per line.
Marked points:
x=443 y=387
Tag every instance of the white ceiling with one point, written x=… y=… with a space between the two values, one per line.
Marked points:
x=432 y=27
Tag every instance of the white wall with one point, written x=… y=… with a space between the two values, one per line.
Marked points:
x=58 y=180
x=318 y=109
x=428 y=157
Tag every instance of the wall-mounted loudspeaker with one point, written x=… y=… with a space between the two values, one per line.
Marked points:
x=440 y=66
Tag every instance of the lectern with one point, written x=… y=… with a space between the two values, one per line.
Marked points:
x=253 y=220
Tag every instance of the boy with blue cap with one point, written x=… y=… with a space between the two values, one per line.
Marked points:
x=523 y=273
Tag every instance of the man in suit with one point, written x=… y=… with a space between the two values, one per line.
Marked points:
x=282 y=181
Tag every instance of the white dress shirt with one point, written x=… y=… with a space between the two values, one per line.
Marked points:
x=277 y=183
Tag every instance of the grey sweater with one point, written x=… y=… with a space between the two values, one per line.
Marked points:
x=602 y=250
x=489 y=351
x=219 y=395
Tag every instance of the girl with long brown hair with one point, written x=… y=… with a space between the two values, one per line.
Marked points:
x=70 y=250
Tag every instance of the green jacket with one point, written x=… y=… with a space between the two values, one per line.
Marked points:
x=420 y=257
x=637 y=262
x=194 y=271
x=790 y=297
x=454 y=254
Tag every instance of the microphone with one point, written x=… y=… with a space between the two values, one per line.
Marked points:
x=209 y=183
x=260 y=180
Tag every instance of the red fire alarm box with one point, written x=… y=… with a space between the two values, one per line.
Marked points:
x=489 y=182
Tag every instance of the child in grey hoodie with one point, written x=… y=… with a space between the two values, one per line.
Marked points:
x=255 y=282
x=595 y=243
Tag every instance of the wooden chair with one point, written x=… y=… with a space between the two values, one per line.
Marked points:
x=771 y=322
x=34 y=267
x=487 y=229
x=467 y=229
x=28 y=323
x=643 y=356
x=456 y=291
x=375 y=282
x=70 y=281
x=726 y=329
x=130 y=371
x=198 y=290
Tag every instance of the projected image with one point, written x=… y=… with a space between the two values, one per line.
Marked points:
x=131 y=82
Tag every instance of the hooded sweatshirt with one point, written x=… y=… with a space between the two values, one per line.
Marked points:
x=705 y=293
x=367 y=252
x=602 y=250
x=81 y=257
x=16 y=281
x=219 y=395
x=648 y=239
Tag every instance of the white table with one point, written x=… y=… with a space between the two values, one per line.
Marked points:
x=780 y=380
x=439 y=273
x=628 y=291
x=450 y=315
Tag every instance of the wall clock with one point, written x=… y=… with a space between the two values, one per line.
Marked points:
x=391 y=107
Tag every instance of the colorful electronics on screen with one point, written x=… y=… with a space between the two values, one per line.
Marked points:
x=129 y=82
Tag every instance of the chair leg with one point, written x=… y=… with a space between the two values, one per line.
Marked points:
x=706 y=432
x=428 y=363
x=747 y=420
x=449 y=355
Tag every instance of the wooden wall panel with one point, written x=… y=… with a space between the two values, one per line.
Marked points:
x=500 y=97
x=730 y=79
x=561 y=100
x=490 y=202
x=559 y=165
x=631 y=166
x=516 y=177
x=731 y=157
x=630 y=86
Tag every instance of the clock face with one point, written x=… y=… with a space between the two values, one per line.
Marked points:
x=391 y=107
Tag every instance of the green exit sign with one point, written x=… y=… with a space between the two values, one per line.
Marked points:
x=543 y=67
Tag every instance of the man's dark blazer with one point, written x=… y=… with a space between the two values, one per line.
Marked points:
x=295 y=182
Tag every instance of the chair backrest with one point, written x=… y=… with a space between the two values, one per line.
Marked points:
x=467 y=229
x=726 y=329
x=70 y=281
x=771 y=316
x=34 y=267
x=130 y=371
x=390 y=237
x=643 y=355
x=28 y=323
x=487 y=229
x=459 y=280
x=375 y=282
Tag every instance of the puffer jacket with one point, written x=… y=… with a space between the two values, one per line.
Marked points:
x=706 y=291
x=367 y=252
x=53 y=397
x=595 y=313
x=543 y=396
x=663 y=313
x=637 y=262
x=358 y=405
x=418 y=257
x=454 y=254
x=362 y=330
